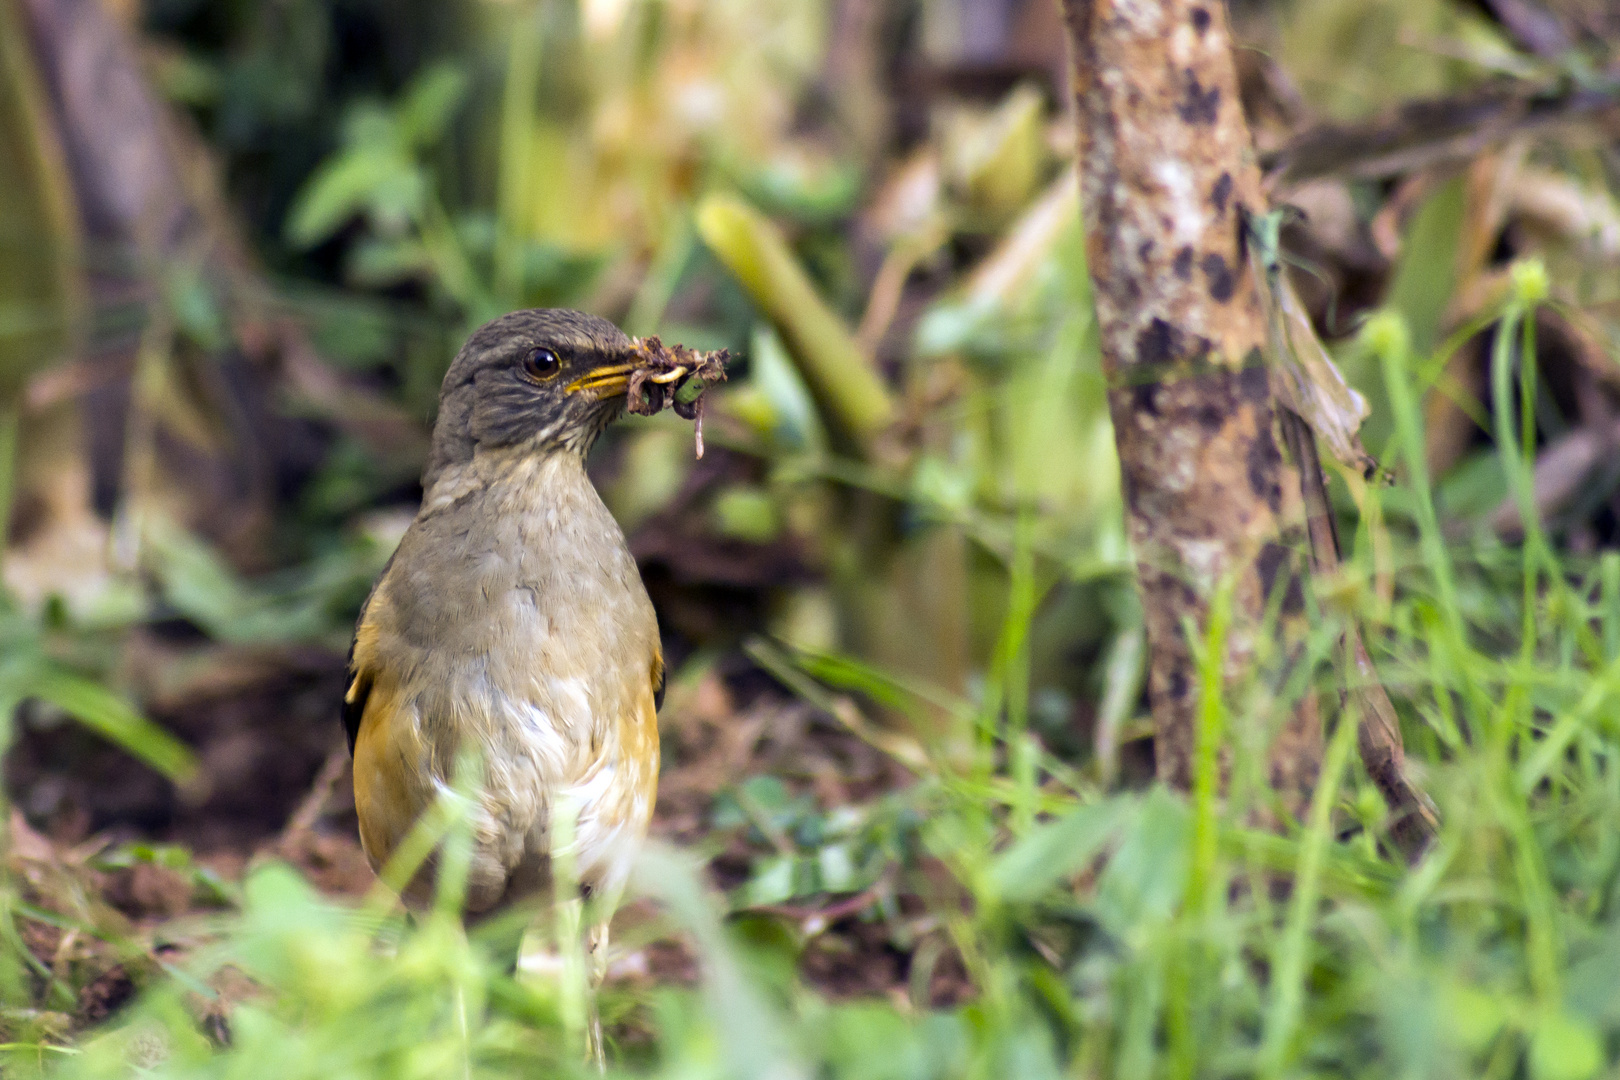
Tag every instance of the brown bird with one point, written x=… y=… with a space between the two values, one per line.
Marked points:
x=513 y=622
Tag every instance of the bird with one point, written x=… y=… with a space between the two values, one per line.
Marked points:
x=512 y=622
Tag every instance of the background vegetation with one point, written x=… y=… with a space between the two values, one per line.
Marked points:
x=906 y=826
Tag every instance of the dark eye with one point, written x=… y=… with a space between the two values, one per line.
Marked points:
x=541 y=364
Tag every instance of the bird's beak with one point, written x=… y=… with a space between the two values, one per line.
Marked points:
x=604 y=382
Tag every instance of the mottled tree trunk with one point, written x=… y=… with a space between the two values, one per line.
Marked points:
x=1168 y=172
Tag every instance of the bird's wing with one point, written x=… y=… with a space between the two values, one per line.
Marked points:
x=358 y=690
x=390 y=791
x=390 y=788
x=660 y=681
x=355 y=696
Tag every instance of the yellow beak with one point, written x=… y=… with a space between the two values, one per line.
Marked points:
x=604 y=382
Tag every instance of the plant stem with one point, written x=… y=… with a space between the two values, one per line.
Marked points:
x=847 y=389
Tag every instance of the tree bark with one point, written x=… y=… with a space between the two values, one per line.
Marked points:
x=1168 y=173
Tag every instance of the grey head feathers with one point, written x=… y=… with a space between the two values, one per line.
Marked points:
x=494 y=395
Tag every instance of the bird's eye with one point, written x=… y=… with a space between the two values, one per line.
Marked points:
x=541 y=364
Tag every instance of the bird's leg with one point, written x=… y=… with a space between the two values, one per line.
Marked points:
x=553 y=960
x=576 y=1002
x=537 y=961
x=596 y=951
x=599 y=911
x=464 y=1032
x=553 y=952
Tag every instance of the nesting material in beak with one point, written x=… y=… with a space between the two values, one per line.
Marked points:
x=673 y=377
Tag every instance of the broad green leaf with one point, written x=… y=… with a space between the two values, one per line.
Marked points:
x=383 y=261
x=1473 y=1016
x=1426 y=272
x=1054 y=850
x=1146 y=878
x=114 y=718
x=430 y=102
x=367 y=178
x=203 y=588
x=1563 y=1047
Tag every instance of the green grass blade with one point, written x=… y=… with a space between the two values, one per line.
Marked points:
x=1293 y=956
x=114 y=718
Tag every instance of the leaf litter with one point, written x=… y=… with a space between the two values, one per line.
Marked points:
x=1303 y=375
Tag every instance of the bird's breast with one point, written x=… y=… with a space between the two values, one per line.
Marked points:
x=513 y=621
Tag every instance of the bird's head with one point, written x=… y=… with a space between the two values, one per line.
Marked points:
x=544 y=380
